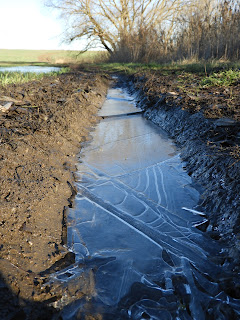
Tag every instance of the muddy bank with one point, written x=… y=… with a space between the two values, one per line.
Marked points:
x=40 y=138
x=209 y=135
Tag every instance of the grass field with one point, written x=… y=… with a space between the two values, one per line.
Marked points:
x=200 y=67
x=60 y=58
x=48 y=57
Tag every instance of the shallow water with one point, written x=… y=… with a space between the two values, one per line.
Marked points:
x=34 y=69
x=134 y=225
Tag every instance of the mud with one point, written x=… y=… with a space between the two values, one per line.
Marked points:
x=208 y=130
x=40 y=138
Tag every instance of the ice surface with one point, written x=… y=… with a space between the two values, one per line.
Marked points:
x=136 y=211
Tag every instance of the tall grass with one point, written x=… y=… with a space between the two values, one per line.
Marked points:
x=210 y=30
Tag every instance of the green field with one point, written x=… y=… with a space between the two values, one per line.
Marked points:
x=48 y=57
x=199 y=67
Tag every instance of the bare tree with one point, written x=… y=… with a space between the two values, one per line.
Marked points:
x=119 y=24
x=155 y=30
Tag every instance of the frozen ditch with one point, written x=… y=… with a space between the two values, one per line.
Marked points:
x=136 y=222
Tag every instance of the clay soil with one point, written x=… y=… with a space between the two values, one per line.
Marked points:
x=40 y=139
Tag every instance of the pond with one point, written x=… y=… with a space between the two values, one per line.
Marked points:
x=34 y=69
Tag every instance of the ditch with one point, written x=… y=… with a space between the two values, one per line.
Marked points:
x=136 y=225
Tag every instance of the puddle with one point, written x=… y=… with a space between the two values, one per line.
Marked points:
x=34 y=69
x=134 y=225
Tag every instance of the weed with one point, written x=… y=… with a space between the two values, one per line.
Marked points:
x=224 y=78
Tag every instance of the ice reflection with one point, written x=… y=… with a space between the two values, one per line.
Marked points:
x=134 y=224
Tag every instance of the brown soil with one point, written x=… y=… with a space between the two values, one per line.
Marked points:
x=40 y=138
x=183 y=90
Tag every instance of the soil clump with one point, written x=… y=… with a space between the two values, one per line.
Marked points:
x=41 y=135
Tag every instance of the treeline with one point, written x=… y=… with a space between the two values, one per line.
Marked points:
x=155 y=30
x=206 y=30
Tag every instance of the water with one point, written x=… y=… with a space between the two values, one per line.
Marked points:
x=135 y=225
x=34 y=69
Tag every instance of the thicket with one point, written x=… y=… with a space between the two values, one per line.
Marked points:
x=206 y=31
x=155 y=30
x=209 y=32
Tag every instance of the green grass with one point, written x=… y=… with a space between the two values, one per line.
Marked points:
x=128 y=68
x=20 y=77
x=48 y=57
x=220 y=79
x=202 y=68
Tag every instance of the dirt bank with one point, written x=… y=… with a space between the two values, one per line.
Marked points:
x=40 y=138
x=206 y=125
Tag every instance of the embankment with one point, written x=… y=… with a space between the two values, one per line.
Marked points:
x=41 y=136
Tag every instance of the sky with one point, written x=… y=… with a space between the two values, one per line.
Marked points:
x=28 y=24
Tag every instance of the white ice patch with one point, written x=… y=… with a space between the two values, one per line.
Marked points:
x=195 y=212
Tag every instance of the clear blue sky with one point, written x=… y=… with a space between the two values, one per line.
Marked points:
x=28 y=24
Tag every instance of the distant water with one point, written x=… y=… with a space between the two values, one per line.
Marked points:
x=35 y=69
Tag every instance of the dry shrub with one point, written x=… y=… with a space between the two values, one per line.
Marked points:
x=143 y=45
x=46 y=57
x=208 y=30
